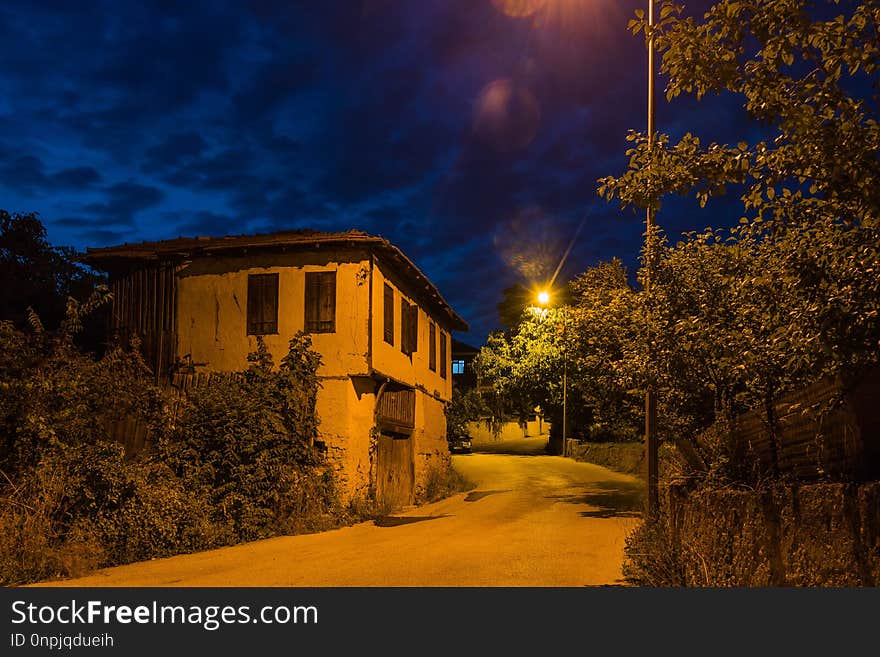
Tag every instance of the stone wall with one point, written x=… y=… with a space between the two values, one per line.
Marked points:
x=824 y=534
x=628 y=458
x=432 y=456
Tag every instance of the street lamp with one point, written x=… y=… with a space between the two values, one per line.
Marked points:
x=525 y=8
x=544 y=301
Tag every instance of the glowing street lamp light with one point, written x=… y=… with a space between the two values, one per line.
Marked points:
x=544 y=301
x=521 y=8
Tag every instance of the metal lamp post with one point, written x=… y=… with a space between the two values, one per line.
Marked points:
x=544 y=301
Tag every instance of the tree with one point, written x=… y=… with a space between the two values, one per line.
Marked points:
x=606 y=351
x=794 y=73
x=791 y=293
x=594 y=337
x=466 y=406
x=40 y=277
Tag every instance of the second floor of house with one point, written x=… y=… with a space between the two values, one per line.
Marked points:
x=368 y=311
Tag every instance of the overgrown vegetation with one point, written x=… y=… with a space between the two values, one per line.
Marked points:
x=236 y=461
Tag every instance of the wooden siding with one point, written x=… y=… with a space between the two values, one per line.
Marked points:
x=824 y=430
x=144 y=304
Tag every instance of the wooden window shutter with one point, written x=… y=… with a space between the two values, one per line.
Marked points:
x=320 y=302
x=414 y=327
x=388 y=310
x=442 y=354
x=409 y=327
x=432 y=346
x=262 y=304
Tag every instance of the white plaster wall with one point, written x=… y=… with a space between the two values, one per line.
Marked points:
x=212 y=310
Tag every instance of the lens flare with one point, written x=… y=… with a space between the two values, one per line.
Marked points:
x=507 y=115
x=518 y=8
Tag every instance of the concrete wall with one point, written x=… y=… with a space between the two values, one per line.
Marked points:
x=621 y=457
x=345 y=413
x=481 y=431
x=807 y=535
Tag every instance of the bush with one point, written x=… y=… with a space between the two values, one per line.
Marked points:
x=651 y=557
x=238 y=464
x=443 y=482
x=160 y=517
x=247 y=441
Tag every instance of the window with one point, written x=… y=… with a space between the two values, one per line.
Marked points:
x=389 y=314
x=409 y=327
x=442 y=354
x=432 y=347
x=262 y=304
x=320 y=302
x=458 y=366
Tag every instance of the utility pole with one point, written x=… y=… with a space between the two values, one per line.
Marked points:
x=653 y=500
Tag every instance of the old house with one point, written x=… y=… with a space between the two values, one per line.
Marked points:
x=382 y=328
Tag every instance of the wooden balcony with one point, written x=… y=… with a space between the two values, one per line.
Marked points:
x=397 y=410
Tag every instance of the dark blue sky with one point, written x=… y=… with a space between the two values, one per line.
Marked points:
x=469 y=138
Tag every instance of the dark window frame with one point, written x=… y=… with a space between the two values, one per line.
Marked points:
x=432 y=346
x=388 y=314
x=444 y=354
x=320 y=302
x=409 y=327
x=262 y=294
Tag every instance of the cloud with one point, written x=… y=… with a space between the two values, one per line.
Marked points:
x=27 y=175
x=77 y=177
x=173 y=151
x=165 y=118
x=123 y=202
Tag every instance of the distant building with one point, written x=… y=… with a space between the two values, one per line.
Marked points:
x=484 y=431
x=463 y=375
x=382 y=328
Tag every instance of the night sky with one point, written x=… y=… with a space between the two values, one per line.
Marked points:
x=469 y=138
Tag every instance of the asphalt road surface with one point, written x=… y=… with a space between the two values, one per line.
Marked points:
x=532 y=520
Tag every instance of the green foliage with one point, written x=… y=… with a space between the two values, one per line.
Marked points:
x=248 y=440
x=794 y=73
x=238 y=463
x=55 y=398
x=466 y=406
x=595 y=340
x=652 y=557
x=738 y=317
x=742 y=319
x=442 y=482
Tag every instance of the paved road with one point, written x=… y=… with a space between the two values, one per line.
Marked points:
x=533 y=520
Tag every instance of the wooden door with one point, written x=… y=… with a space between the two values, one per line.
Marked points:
x=395 y=471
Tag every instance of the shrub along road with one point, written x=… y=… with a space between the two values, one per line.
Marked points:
x=532 y=520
